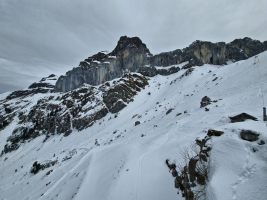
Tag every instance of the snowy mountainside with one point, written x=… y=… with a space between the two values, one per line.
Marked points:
x=122 y=155
x=38 y=110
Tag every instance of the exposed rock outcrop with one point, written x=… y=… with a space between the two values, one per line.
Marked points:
x=167 y=58
x=56 y=113
x=132 y=55
x=46 y=82
x=242 y=117
x=45 y=85
x=118 y=96
x=216 y=133
x=247 y=48
x=203 y=52
x=153 y=71
x=128 y=56
x=205 y=101
x=249 y=135
x=36 y=166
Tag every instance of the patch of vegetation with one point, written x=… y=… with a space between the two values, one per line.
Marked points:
x=191 y=174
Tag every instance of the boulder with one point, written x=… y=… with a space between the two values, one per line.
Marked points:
x=205 y=101
x=169 y=111
x=261 y=142
x=212 y=132
x=137 y=123
x=249 y=135
x=242 y=117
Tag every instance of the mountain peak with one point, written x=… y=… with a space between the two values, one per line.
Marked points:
x=126 y=42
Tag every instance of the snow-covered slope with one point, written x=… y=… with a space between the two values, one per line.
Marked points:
x=118 y=159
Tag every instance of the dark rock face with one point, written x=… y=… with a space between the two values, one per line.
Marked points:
x=127 y=43
x=56 y=113
x=128 y=56
x=249 y=135
x=205 y=101
x=242 y=117
x=169 y=111
x=45 y=85
x=25 y=93
x=137 y=123
x=169 y=71
x=167 y=58
x=216 y=133
x=148 y=71
x=46 y=82
x=41 y=85
x=153 y=71
x=261 y=142
x=202 y=52
x=36 y=166
x=117 y=97
x=132 y=55
x=5 y=120
x=247 y=46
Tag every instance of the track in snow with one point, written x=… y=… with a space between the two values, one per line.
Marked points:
x=248 y=170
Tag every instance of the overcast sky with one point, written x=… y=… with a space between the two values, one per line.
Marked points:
x=40 y=37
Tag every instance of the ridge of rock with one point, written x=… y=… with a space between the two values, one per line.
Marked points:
x=128 y=56
x=56 y=113
x=132 y=55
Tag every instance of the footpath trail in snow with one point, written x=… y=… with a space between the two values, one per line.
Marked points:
x=116 y=159
x=247 y=172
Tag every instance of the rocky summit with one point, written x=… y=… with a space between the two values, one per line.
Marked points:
x=128 y=56
x=132 y=55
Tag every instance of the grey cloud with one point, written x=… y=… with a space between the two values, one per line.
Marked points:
x=52 y=36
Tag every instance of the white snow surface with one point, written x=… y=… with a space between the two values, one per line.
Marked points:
x=129 y=162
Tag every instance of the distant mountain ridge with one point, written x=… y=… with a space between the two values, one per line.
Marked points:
x=131 y=55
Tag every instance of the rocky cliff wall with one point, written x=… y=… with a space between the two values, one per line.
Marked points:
x=128 y=56
x=131 y=55
x=203 y=52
